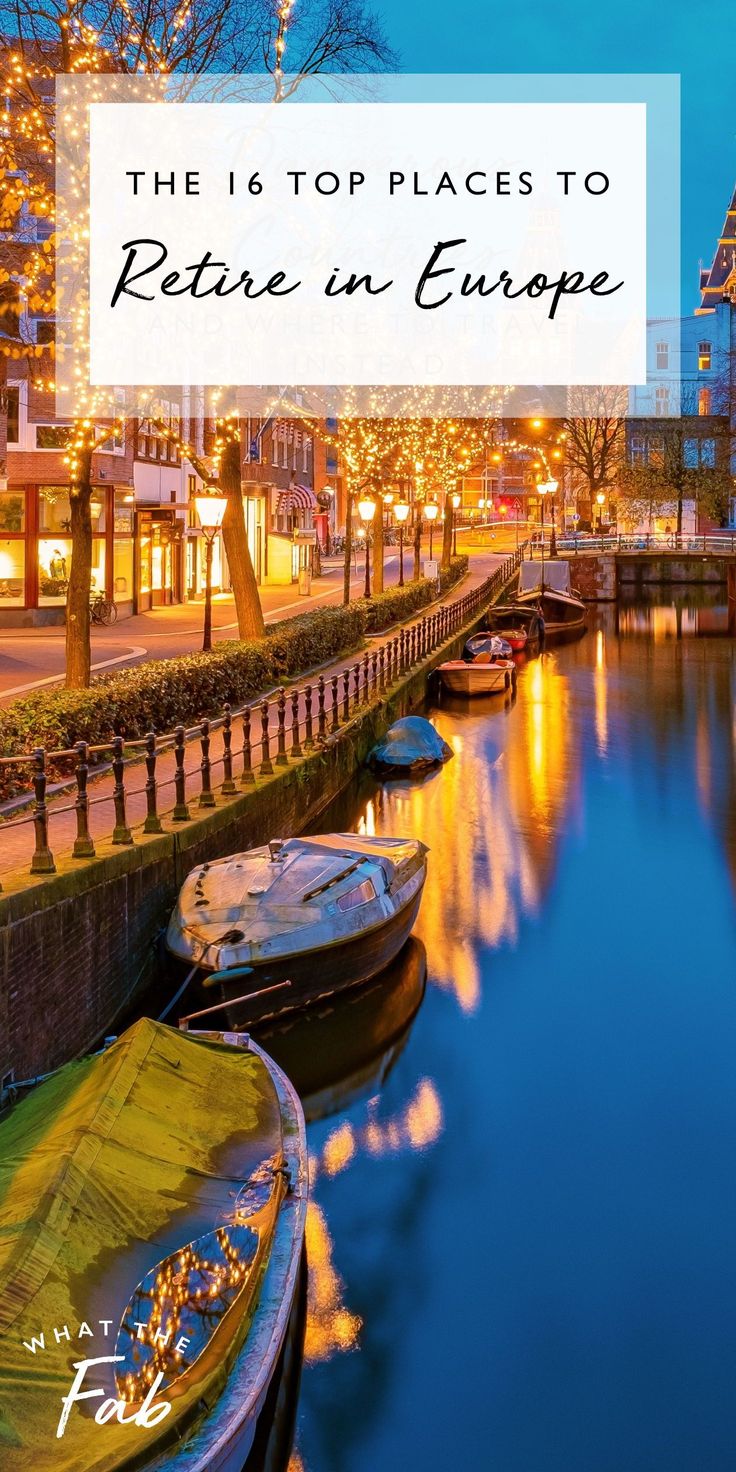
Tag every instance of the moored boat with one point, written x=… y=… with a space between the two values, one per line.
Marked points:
x=545 y=587
x=479 y=676
x=519 y=627
x=343 y=1049
x=411 y=744
x=486 y=641
x=152 y=1214
x=281 y=926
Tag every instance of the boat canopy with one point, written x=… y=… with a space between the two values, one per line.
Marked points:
x=556 y=576
x=111 y=1165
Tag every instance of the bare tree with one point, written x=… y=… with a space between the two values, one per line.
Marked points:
x=595 y=433
x=156 y=37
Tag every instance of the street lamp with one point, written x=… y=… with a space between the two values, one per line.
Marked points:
x=210 y=505
x=600 y=498
x=401 y=512
x=455 y=501
x=431 y=511
x=366 y=512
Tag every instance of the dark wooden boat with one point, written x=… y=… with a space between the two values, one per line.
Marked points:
x=545 y=587
x=280 y=927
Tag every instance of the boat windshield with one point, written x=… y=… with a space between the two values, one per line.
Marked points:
x=556 y=576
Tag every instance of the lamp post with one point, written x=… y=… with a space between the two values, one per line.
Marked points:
x=366 y=512
x=455 y=500
x=431 y=512
x=210 y=506
x=600 y=498
x=401 y=512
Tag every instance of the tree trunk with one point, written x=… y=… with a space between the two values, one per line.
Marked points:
x=242 y=575
x=417 y=573
x=347 y=569
x=78 y=652
x=679 y=515
x=378 y=548
x=447 y=535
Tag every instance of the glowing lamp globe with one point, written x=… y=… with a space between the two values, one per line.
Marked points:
x=210 y=506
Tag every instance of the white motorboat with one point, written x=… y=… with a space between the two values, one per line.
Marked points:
x=280 y=926
x=479 y=676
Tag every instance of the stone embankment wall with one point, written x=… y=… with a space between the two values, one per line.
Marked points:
x=77 y=945
x=599 y=575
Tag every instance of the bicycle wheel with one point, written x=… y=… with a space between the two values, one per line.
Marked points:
x=108 y=611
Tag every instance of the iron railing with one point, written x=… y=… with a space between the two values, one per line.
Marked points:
x=257 y=738
x=713 y=543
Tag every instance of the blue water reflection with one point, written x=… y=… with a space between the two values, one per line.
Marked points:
x=539 y=1274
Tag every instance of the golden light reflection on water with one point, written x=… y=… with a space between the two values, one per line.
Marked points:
x=490 y=819
x=600 y=687
x=332 y=1328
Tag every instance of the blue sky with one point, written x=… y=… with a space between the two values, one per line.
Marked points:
x=635 y=36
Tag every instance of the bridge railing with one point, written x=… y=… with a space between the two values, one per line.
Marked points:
x=254 y=740
x=708 y=543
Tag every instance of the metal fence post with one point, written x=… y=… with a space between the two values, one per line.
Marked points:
x=295 y=746
x=366 y=678
x=282 y=759
x=206 y=796
x=335 y=704
x=346 y=695
x=246 y=776
x=382 y=669
x=228 y=786
x=83 y=845
x=266 y=763
x=43 y=859
x=308 y=732
x=321 y=712
x=121 y=832
x=153 y=822
x=181 y=812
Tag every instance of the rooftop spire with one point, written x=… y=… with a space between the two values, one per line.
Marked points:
x=720 y=280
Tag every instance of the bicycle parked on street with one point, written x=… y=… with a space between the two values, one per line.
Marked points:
x=102 y=610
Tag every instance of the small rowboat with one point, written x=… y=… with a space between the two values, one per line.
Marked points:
x=487 y=642
x=282 y=926
x=521 y=628
x=152 y=1206
x=480 y=676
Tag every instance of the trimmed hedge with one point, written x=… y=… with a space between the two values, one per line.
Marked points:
x=396 y=604
x=160 y=693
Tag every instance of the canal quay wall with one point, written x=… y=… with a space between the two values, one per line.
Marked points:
x=79 y=944
x=599 y=576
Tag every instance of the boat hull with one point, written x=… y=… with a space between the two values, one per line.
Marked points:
x=313 y=975
x=475 y=679
x=225 y=1440
x=564 y=618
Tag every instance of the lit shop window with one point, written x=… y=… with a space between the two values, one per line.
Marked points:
x=54 y=563
x=12 y=511
x=123 y=569
x=12 y=574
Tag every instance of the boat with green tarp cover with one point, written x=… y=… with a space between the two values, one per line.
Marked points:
x=152 y=1213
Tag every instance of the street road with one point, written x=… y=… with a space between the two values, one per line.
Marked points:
x=33 y=658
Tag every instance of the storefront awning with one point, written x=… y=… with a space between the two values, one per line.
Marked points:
x=297 y=498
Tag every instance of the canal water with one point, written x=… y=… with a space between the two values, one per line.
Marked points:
x=522 y=1236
